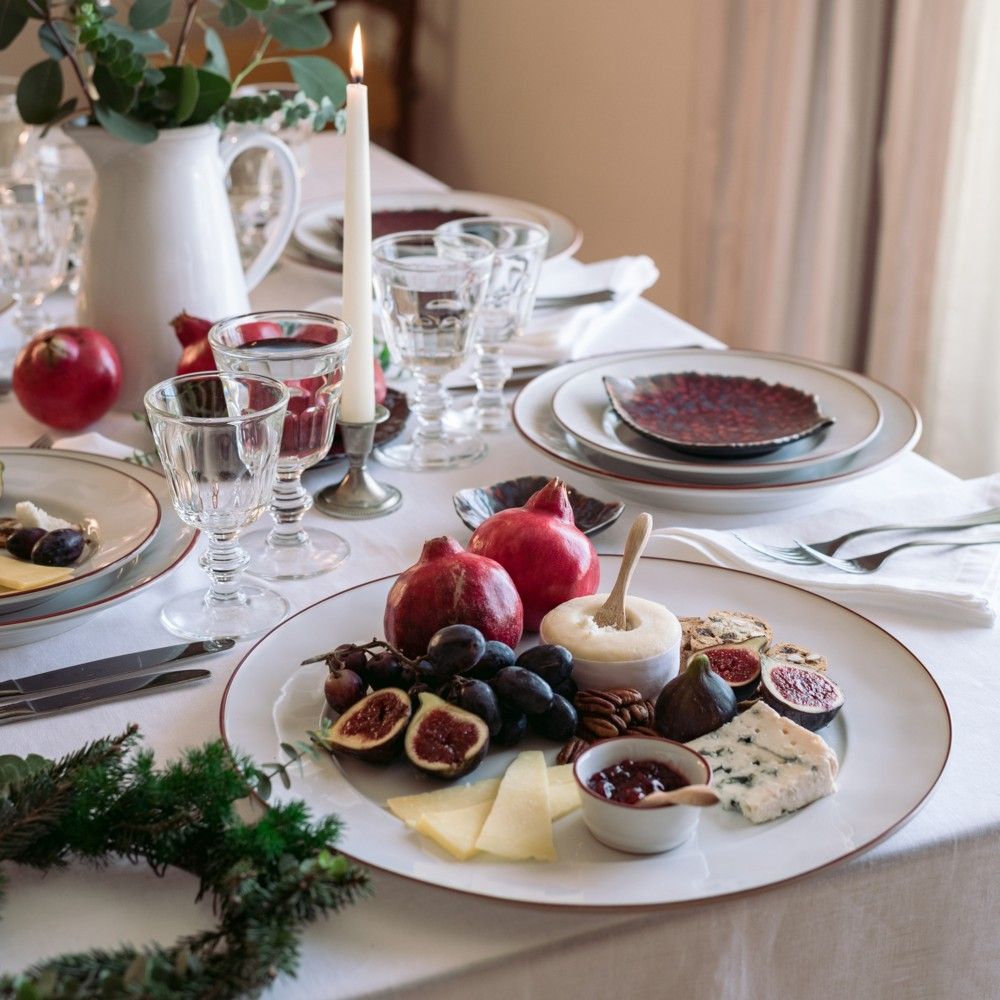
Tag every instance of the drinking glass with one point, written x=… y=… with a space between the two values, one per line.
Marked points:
x=305 y=352
x=36 y=225
x=17 y=140
x=429 y=287
x=519 y=251
x=218 y=436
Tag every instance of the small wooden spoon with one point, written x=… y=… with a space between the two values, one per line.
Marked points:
x=689 y=795
x=612 y=613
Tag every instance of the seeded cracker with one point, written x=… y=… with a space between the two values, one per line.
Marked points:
x=798 y=656
x=719 y=628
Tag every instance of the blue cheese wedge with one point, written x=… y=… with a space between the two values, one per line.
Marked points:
x=764 y=765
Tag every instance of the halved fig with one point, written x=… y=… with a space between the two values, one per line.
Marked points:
x=738 y=666
x=445 y=741
x=805 y=696
x=373 y=728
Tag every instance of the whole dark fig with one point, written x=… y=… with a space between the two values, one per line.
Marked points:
x=695 y=702
x=523 y=690
x=22 y=541
x=496 y=656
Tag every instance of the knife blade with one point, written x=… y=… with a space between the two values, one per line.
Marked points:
x=121 y=665
x=35 y=707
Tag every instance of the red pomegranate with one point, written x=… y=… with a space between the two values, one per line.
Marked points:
x=549 y=559
x=449 y=586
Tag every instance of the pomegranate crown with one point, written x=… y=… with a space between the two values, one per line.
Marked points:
x=552 y=499
x=435 y=548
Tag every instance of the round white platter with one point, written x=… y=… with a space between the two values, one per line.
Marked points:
x=316 y=234
x=532 y=413
x=127 y=512
x=581 y=405
x=170 y=544
x=892 y=737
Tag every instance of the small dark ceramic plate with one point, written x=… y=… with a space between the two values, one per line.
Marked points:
x=477 y=503
x=395 y=403
x=721 y=416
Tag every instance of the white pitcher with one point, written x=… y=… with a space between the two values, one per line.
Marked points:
x=162 y=240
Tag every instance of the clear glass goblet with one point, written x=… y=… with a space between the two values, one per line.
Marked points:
x=429 y=287
x=305 y=352
x=36 y=227
x=519 y=252
x=218 y=437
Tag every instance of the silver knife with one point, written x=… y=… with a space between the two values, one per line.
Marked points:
x=121 y=665
x=35 y=707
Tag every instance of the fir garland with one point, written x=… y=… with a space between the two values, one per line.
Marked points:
x=108 y=800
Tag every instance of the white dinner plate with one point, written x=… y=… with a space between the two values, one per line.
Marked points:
x=315 y=233
x=127 y=513
x=581 y=405
x=171 y=543
x=892 y=737
x=533 y=417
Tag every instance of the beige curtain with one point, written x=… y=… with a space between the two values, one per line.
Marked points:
x=785 y=124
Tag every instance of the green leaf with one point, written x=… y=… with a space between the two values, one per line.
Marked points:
x=146 y=14
x=215 y=53
x=296 y=27
x=56 y=39
x=213 y=92
x=12 y=20
x=113 y=90
x=129 y=129
x=32 y=8
x=65 y=110
x=318 y=78
x=182 y=82
x=146 y=42
x=264 y=786
x=254 y=4
x=39 y=92
x=232 y=14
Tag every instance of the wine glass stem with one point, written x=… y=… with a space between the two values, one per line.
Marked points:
x=224 y=562
x=289 y=504
x=30 y=316
x=490 y=373
x=430 y=403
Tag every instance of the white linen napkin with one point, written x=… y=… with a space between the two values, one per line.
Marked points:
x=959 y=584
x=565 y=334
x=95 y=444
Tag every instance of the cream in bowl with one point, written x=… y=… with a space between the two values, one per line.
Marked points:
x=644 y=655
x=612 y=777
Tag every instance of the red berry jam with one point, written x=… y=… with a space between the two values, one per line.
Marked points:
x=628 y=781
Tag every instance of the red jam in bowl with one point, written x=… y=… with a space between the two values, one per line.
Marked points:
x=628 y=781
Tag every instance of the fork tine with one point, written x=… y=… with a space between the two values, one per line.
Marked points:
x=792 y=556
x=844 y=565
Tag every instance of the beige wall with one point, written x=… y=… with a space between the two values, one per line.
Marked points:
x=538 y=99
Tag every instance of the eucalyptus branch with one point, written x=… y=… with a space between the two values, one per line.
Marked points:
x=185 y=31
x=44 y=13
x=256 y=59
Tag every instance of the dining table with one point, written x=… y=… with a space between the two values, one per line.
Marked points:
x=913 y=917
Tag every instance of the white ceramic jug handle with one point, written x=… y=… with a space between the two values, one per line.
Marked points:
x=291 y=197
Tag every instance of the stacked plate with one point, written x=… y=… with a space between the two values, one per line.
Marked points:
x=139 y=537
x=715 y=431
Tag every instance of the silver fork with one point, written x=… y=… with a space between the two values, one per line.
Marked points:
x=870 y=563
x=42 y=441
x=803 y=554
x=580 y=299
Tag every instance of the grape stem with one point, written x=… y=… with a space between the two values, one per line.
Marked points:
x=366 y=646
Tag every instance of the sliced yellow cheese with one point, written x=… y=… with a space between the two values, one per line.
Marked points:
x=564 y=797
x=457 y=829
x=18 y=575
x=519 y=825
x=409 y=808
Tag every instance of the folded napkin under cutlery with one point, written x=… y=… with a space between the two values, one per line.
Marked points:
x=960 y=584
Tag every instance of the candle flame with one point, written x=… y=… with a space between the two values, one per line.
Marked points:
x=357 y=57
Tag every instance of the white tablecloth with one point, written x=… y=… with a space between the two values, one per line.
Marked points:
x=915 y=918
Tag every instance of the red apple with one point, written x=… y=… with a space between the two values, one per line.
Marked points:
x=68 y=377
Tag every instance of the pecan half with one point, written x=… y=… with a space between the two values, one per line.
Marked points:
x=572 y=751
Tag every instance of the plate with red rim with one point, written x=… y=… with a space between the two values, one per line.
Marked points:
x=127 y=513
x=581 y=405
x=893 y=738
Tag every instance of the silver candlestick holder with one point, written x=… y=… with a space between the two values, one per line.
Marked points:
x=359 y=494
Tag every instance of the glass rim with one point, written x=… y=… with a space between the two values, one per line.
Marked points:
x=428 y=236
x=276 y=316
x=175 y=380
x=541 y=233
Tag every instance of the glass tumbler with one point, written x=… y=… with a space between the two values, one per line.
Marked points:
x=305 y=352
x=218 y=437
x=429 y=287
x=519 y=252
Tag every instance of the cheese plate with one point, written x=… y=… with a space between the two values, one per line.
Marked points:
x=892 y=741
